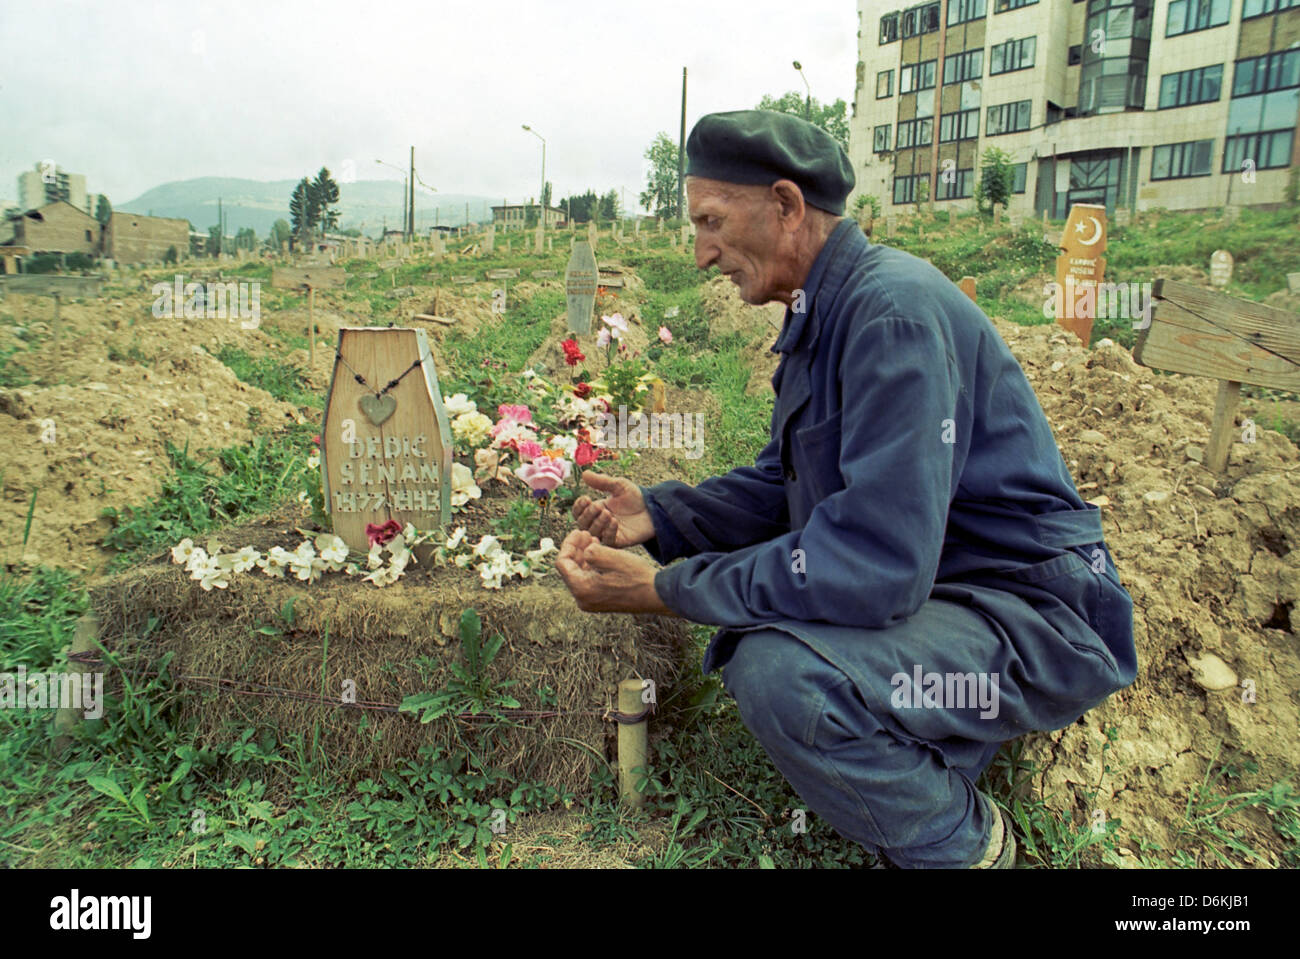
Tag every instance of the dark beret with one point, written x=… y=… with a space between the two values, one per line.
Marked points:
x=762 y=146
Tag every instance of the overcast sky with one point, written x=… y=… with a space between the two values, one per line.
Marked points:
x=136 y=94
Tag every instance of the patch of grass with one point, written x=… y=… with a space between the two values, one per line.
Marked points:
x=195 y=500
x=280 y=379
x=12 y=373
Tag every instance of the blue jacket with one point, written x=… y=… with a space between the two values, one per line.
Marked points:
x=907 y=449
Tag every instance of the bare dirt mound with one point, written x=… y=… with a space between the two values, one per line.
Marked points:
x=729 y=314
x=91 y=432
x=1213 y=567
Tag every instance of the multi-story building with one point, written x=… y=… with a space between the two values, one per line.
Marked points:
x=1182 y=104
x=47 y=182
x=514 y=216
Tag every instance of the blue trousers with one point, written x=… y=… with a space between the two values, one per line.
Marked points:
x=877 y=760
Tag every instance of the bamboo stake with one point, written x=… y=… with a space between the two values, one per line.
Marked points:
x=67 y=719
x=632 y=749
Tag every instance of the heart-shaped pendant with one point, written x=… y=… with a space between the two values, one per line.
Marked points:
x=377 y=408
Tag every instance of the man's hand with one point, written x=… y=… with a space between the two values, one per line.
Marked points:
x=619 y=520
x=604 y=580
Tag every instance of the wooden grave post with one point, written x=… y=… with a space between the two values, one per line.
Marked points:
x=580 y=287
x=1080 y=267
x=311 y=277
x=387 y=450
x=967 y=285
x=1207 y=333
x=57 y=287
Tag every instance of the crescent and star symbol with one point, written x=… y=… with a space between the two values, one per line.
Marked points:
x=1079 y=229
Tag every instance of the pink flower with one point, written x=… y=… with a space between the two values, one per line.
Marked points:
x=528 y=450
x=602 y=339
x=519 y=413
x=586 y=455
x=665 y=335
x=545 y=473
x=617 y=325
x=379 y=535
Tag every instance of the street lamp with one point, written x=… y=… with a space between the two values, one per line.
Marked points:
x=541 y=196
x=807 y=104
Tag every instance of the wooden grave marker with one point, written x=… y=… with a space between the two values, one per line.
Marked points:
x=56 y=287
x=1220 y=267
x=313 y=278
x=542 y=274
x=463 y=280
x=502 y=274
x=387 y=449
x=1080 y=267
x=580 y=287
x=1235 y=341
x=967 y=285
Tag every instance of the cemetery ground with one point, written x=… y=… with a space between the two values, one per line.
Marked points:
x=168 y=428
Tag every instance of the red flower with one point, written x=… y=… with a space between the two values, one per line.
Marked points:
x=572 y=354
x=379 y=535
x=581 y=390
x=585 y=454
x=316 y=439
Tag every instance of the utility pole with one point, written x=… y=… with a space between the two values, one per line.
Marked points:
x=221 y=230
x=410 y=216
x=681 y=149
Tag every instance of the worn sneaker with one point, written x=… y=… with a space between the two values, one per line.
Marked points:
x=1001 y=853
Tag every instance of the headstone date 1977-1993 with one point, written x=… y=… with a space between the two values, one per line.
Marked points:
x=580 y=287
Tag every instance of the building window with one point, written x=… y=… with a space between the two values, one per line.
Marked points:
x=1272 y=71
x=87 y=236
x=1177 y=161
x=1267 y=151
x=914 y=133
x=905 y=188
x=1187 y=16
x=1202 y=85
x=884 y=84
x=955 y=184
x=1076 y=55
x=1012 y=55
x=961 y=67
x=1007 y=118
x=959 y=126
x=888 y=28
x=1020 y=173
x=1002 y=6
x=880 y=139
x=1257 y=8
x=929 y=19
x=962 y=11
x=919 y=76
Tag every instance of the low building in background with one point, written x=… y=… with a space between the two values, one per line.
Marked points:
x=57 y=227
x=133 y=238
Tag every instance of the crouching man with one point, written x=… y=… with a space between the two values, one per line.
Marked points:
x=906 y=578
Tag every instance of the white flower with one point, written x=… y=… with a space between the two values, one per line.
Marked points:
x=332 y=548
x=569 y=444
x=197 y=561
x=182 y=550
x=409 y=532
x=213 y=574
x=463 y=487
x=459 y=404
x=245 y=559
x=472 y=429
x=487 y=546
x=545 y=549
x=529 y=373
x=374 y=557
x=275 y=561
x=456 y=538
x=313 y=461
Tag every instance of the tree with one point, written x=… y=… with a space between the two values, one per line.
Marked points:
x=280 y=233
x=103 y=210
x=660 y=196
x=245 y=239
x=582 y=207
x=214 y=240
x=546 y=194
x=834 y=119
x=997 y=178
x=609 y=209
x=324 y=194
x=301 y=210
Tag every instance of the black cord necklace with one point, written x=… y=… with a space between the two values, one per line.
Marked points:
x=377 y=405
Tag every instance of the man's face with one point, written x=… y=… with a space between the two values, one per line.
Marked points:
x=738 y=228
